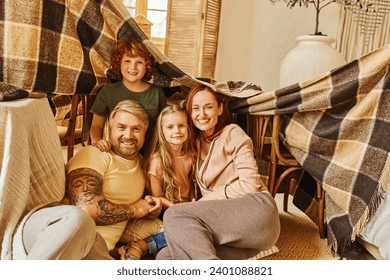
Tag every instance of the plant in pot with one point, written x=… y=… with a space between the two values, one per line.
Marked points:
x=320 y=4
x=314 y=54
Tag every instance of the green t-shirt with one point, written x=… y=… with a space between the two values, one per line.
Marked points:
x=153 y=99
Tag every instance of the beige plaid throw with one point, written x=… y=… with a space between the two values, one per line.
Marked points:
x=337 y=125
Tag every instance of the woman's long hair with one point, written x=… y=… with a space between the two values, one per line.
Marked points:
x=171 y=187
x=223 y=120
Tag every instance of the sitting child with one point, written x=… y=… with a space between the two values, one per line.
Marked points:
x=169 y=165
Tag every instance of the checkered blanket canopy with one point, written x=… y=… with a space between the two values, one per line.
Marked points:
x=64 y=47
x=336 y=124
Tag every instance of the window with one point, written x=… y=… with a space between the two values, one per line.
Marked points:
x=130 y=5
x=186 y=31
x=151 y=15
x=192 y=38
x=157 y=14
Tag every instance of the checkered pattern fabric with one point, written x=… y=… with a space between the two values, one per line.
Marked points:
x=64 y=48
x=337 y=125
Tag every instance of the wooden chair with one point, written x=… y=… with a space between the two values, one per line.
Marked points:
x=283 y=169
x=72 y=135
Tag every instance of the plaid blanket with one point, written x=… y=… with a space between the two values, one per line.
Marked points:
x=64 y=47
x=58 y=48
x=337 y=125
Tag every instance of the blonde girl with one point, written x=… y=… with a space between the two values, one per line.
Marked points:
x=169 y=164
x=169 y=168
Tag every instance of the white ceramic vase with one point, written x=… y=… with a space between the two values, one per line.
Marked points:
x=312 y=56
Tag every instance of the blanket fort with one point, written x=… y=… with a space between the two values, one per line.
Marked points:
x=336 y=124
x=64 y=47
x=61 y=48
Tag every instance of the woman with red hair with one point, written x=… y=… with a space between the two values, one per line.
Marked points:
x=236 y=217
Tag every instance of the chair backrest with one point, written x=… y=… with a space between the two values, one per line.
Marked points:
x=280 y=153
x=258 y=129
x=80 y=106
x=264 y=131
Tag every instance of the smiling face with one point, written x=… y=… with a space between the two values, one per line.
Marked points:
x=132 y=68
x=127 y=134
x=175 y=128
x=205 y=111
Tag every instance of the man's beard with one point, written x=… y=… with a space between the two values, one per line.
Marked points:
x=126 y=152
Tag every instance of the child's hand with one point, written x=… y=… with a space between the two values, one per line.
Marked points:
x=102 y=145
x=156 y=204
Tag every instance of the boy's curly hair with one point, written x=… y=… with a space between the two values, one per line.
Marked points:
x=132 y=47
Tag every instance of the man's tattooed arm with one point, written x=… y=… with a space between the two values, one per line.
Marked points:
x=84 y=189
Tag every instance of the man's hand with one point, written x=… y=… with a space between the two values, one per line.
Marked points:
x=140 y=209
x=156 y=205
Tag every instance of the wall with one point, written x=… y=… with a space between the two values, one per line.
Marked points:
x=255 y=35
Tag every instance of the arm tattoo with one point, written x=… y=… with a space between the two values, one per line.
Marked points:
x=84 y=189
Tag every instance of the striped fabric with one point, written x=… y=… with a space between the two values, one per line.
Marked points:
x=337 y=125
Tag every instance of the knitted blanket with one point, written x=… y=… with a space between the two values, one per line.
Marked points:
x=337 y=125
x=32 y=169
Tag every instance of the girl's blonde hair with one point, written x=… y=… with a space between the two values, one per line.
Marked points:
x=171 y=188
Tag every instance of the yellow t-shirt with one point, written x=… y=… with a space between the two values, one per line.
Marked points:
x=123 y=182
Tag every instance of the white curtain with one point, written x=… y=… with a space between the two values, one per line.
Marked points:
x=361 y=31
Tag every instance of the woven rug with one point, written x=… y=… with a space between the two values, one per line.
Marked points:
x=299 y=238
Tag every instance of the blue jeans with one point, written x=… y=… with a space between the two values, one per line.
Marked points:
x=156 y=242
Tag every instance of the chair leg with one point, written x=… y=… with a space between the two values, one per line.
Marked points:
x=271 y=178
x=283 y=176
x=289 y=176
x=285 y=199
x=87 y=118
x=321 y=211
